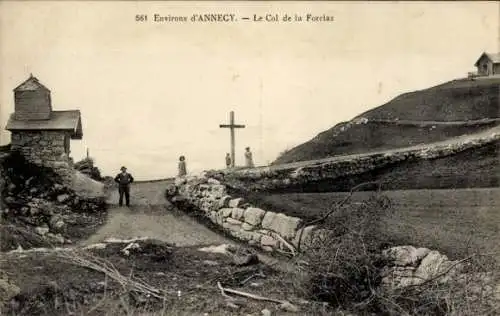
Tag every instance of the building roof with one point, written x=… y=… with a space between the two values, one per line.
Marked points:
x=59 y=120
x=31 y=84
x=494 y=57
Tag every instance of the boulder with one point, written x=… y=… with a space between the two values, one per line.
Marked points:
x=213 y=181
x=225 y=212
x=8 y=290
x=42 y=230
x=62 y=198
x=434 y=264
x=57 y=238
x=246 y=226
x=237 y=213
x=224 y=201
x=246 y=235
x=236 y=202
x=231 y=227
x=303 y=237
x=269 y=241
x=233 y=221
x=411 y=271
x=57 y=224
x=213 y=217
x=285 y=226
x=253 y=215
x=405 y=255
x=11 y=187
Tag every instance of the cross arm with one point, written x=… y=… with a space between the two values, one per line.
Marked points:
x=231 y=126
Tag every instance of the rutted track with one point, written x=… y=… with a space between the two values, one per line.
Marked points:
x=151 y=215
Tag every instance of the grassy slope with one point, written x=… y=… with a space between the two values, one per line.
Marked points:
x=448 y=220
x=459 y=100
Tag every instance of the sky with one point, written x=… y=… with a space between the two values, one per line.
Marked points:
x=151 y=91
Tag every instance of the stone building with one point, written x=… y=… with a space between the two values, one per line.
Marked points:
x=41 y=134
x=488 y=64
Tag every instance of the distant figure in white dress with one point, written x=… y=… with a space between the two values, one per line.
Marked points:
x=228 y=161
x=182 y=166
x=248 y=158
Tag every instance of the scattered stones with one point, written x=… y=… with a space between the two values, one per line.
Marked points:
x=56 y=238
x=133 y=245
x=411 y=266
x=266 y=312
x=8 y=290
x=57 y=224
x=63 y=198
x=42 y=230
x=232 y=305
x=245 y=260
x=11 y=187
x=210 y=263
x=223 y=249
x=289 y=307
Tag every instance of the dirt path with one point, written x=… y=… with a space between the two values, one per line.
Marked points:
x=151 y=215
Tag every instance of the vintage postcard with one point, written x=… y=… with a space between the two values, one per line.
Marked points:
x=249 y=158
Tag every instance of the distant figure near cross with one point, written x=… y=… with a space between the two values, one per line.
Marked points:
x=232 y=126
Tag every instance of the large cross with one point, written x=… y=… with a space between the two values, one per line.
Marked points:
x=232 y=127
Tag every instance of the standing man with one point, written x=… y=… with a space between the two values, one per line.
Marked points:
x=228 y=161
x=248 y=158
x=182 y=166
x=124 y=179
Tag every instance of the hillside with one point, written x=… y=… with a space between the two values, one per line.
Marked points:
x=448 y=110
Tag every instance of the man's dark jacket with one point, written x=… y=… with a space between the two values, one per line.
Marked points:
x=124 y=180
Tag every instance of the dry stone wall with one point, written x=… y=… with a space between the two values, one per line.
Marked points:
x=45 y=148
x=268 y=230
x=282 y=177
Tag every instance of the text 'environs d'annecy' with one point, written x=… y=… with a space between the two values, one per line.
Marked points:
x=231 y=17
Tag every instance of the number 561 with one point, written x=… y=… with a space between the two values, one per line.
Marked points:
x=141 y=18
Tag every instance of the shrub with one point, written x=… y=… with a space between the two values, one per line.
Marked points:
x=343 y=266
x=87 y=167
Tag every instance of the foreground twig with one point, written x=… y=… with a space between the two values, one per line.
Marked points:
x=335 y=207
x=253 y=276
x=341 y=203
x=222 y=291
x=109 y=270
x=292 y=249
x=249 y=295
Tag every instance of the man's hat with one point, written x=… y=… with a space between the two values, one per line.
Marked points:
x=123 y=168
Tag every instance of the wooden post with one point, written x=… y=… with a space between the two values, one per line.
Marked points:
x=232 y=126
